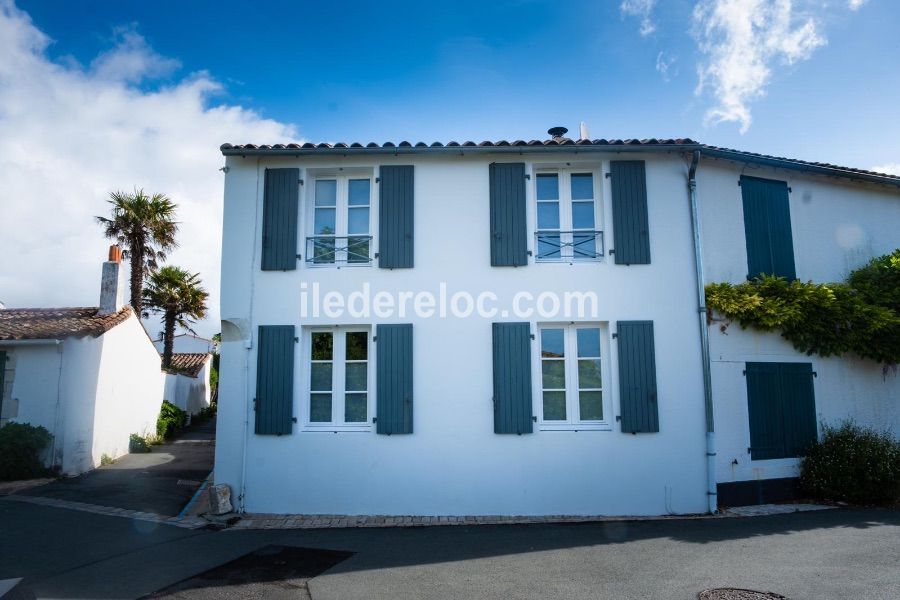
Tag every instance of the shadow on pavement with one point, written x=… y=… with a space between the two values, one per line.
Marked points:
x=160 y=482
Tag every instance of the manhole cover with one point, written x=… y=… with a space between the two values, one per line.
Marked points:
x=738 y=594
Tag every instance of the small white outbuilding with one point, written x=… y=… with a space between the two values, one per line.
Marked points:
x=187 y=381
x=89 y=375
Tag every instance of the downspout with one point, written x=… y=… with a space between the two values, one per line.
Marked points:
x=248 y=347
x=711 y=493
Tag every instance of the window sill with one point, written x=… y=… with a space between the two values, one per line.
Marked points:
x=313 y=265
x=569 y=261
x=337 y=429
x=574 y=427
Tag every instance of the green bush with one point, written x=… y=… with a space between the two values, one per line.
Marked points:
x=861 y=315
x=21 y=446
x=853 y=464
x=171 y=420
x=138 y=444
x=206 y=413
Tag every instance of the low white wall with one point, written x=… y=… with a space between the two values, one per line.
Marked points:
x=190 y=394
x=129 y=391
x=845 y=388
x=78 y=393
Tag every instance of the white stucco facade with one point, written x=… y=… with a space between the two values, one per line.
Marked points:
x=90 y=393
x=453 y=463
x=837 y=226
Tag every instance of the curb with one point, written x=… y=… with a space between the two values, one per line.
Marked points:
x=182 y=522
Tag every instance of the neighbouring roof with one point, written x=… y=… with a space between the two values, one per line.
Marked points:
x=188 y=363
x=563 y=144
x=57 y=323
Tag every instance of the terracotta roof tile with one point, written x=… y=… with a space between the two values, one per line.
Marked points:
x=682 y=144
x=57 y=323
x=188 y=363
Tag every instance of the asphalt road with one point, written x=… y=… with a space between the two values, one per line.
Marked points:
x=161 y=481
x=840 y=554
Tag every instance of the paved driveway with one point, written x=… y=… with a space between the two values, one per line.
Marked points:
x=833 y=554
x=144 y=482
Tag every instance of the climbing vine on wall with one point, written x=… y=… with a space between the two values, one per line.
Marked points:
x=860 y=315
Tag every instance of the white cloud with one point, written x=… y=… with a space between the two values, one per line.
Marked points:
x=856 y=4
x=642 y=9
x=69 y=135
x=666 y=66
x=741 y=40
x=887 y=168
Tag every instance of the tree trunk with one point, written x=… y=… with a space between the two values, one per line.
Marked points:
x=168 y=338
x=137 y=277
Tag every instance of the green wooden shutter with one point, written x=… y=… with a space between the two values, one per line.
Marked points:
x=767 y=226
x=275 y=379
x=512 y=378
x=395 y=217
x=509 y=233
x=631 y=229
x=281 y=202
x=637 y=376
x=394 y=379
x=782 y=409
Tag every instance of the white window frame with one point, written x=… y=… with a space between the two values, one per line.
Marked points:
x=572 y=405
x=564 y=175
x=338 y=381
x=342 y=208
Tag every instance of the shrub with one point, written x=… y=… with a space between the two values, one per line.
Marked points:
x=106 y=459
x=138 y=444
x=207 y=412
x=861 y=315
x=21 y=446
x=171 y=420
x=853 y=464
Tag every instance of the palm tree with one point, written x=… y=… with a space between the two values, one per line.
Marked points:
x=180 y=297
x=145 y=226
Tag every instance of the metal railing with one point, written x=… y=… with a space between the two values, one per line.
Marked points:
x=555 y=245
x=331 y=249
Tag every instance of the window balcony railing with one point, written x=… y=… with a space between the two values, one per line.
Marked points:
x=555 y=245
x=332 y=249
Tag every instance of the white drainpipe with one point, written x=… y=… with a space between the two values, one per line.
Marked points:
x=711 y=493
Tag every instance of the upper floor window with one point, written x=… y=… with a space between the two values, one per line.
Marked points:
x=568 y=215
x=571 y=376
x=341 y=221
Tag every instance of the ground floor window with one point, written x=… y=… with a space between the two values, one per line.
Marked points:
x=339 y=377
x=571 y=376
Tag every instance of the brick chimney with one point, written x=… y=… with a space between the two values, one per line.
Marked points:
x=112 y=290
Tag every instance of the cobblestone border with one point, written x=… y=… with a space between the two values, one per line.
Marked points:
x=285 y=521
x=188 y=522
x=271 y=521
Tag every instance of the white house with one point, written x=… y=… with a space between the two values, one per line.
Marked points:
x=186 y=343
x=515 y=328
x=187 y=381
x=90 y=376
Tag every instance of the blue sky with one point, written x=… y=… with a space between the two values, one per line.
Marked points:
x=108 y=95
x=507 y=69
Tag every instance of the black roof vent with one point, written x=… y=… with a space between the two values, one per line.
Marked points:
x=557 y=132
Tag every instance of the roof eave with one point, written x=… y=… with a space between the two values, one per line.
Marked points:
x=458 y=150
x=722 y=153
x=786 y=163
